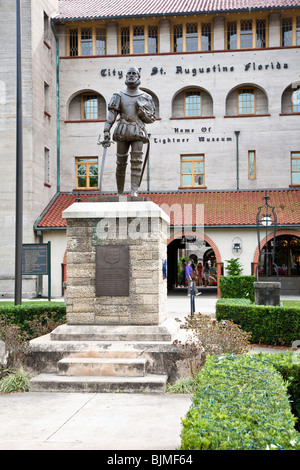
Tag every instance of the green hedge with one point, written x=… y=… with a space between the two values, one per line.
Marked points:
x=232 y=287
x=21 y=314
x=267 y=324
x=288 y=364
x=241 y=403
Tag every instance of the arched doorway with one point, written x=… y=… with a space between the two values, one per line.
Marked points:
x=287 y=259
x=199 y=248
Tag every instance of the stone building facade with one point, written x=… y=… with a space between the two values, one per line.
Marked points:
x=226 y=86
x=39 y=127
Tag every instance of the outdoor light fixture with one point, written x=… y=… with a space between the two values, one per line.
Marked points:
x=236 y=246
x=266 y=221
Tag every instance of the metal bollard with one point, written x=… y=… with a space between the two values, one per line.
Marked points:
x=192 y=294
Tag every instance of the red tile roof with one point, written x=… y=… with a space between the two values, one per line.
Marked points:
x=221 y=208
x=117 y=8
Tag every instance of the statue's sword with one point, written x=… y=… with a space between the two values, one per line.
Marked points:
x=145 y=162
x=105 y=144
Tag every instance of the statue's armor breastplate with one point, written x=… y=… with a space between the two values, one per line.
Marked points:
x=128 y=108
x=131 y=126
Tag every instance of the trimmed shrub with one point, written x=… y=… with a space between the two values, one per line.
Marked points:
x=20 y=324
x=288 y=364
x=240 y=403
x=26 y=314
x=267 y=324
x=233 y=287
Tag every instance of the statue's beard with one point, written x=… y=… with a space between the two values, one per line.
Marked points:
x=133 y=84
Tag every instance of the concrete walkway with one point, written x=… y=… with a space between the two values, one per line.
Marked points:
x=85 y=421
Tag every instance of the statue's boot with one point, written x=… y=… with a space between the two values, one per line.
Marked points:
x=120 y=172
x=136 y=171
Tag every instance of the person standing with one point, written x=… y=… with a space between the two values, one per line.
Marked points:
x=189 y=275
x=199 y=274
x=182 y=272
x=206 y=271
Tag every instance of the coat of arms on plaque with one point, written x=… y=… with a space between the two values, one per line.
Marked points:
x=112 y=254
x=112 y=270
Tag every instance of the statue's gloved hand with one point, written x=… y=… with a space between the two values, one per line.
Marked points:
x=106 y=142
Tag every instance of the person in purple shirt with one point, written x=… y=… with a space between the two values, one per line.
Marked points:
x=189 y=275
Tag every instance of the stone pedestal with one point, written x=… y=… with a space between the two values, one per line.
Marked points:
x=267 y=293
x=105 y=284
x=117 y=336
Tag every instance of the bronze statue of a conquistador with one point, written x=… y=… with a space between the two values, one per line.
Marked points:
x=135 y=108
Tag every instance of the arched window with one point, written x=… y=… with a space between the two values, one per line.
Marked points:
x=290 y=100
x=246 y=100
x=192 y=102
x=296 y=100
x=87 y=106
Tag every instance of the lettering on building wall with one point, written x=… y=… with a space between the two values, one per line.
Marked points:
x=156 y=70
x=270 y=66
x=111 y=73
x=201 y=138
x=177 y=130
x=193 y=71
x=173 y=140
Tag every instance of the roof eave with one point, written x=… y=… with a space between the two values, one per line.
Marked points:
x=192 y=227
x=48 y=229
x=283 y=226
x=160 y=15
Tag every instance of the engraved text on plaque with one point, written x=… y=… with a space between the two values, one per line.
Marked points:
x=112 y=270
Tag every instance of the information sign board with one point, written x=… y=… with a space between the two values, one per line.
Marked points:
x=36 y=260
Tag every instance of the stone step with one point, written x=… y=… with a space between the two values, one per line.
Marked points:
x=136 y=333
x=93 y=366
x=58 y=383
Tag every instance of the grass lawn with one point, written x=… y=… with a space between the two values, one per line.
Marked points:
x=4 y=303
x=291 y=303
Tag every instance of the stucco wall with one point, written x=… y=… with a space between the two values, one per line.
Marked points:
x=272 y=136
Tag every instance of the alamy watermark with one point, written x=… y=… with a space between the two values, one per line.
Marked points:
x=185 y=220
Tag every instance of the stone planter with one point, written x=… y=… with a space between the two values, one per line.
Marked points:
x=267 y=293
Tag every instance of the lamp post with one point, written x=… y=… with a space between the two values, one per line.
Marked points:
x=237 y=133
x=267 y=293
x=266 y=217
x=19 y=165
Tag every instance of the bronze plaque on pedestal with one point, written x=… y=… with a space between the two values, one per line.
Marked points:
x=112 y=270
